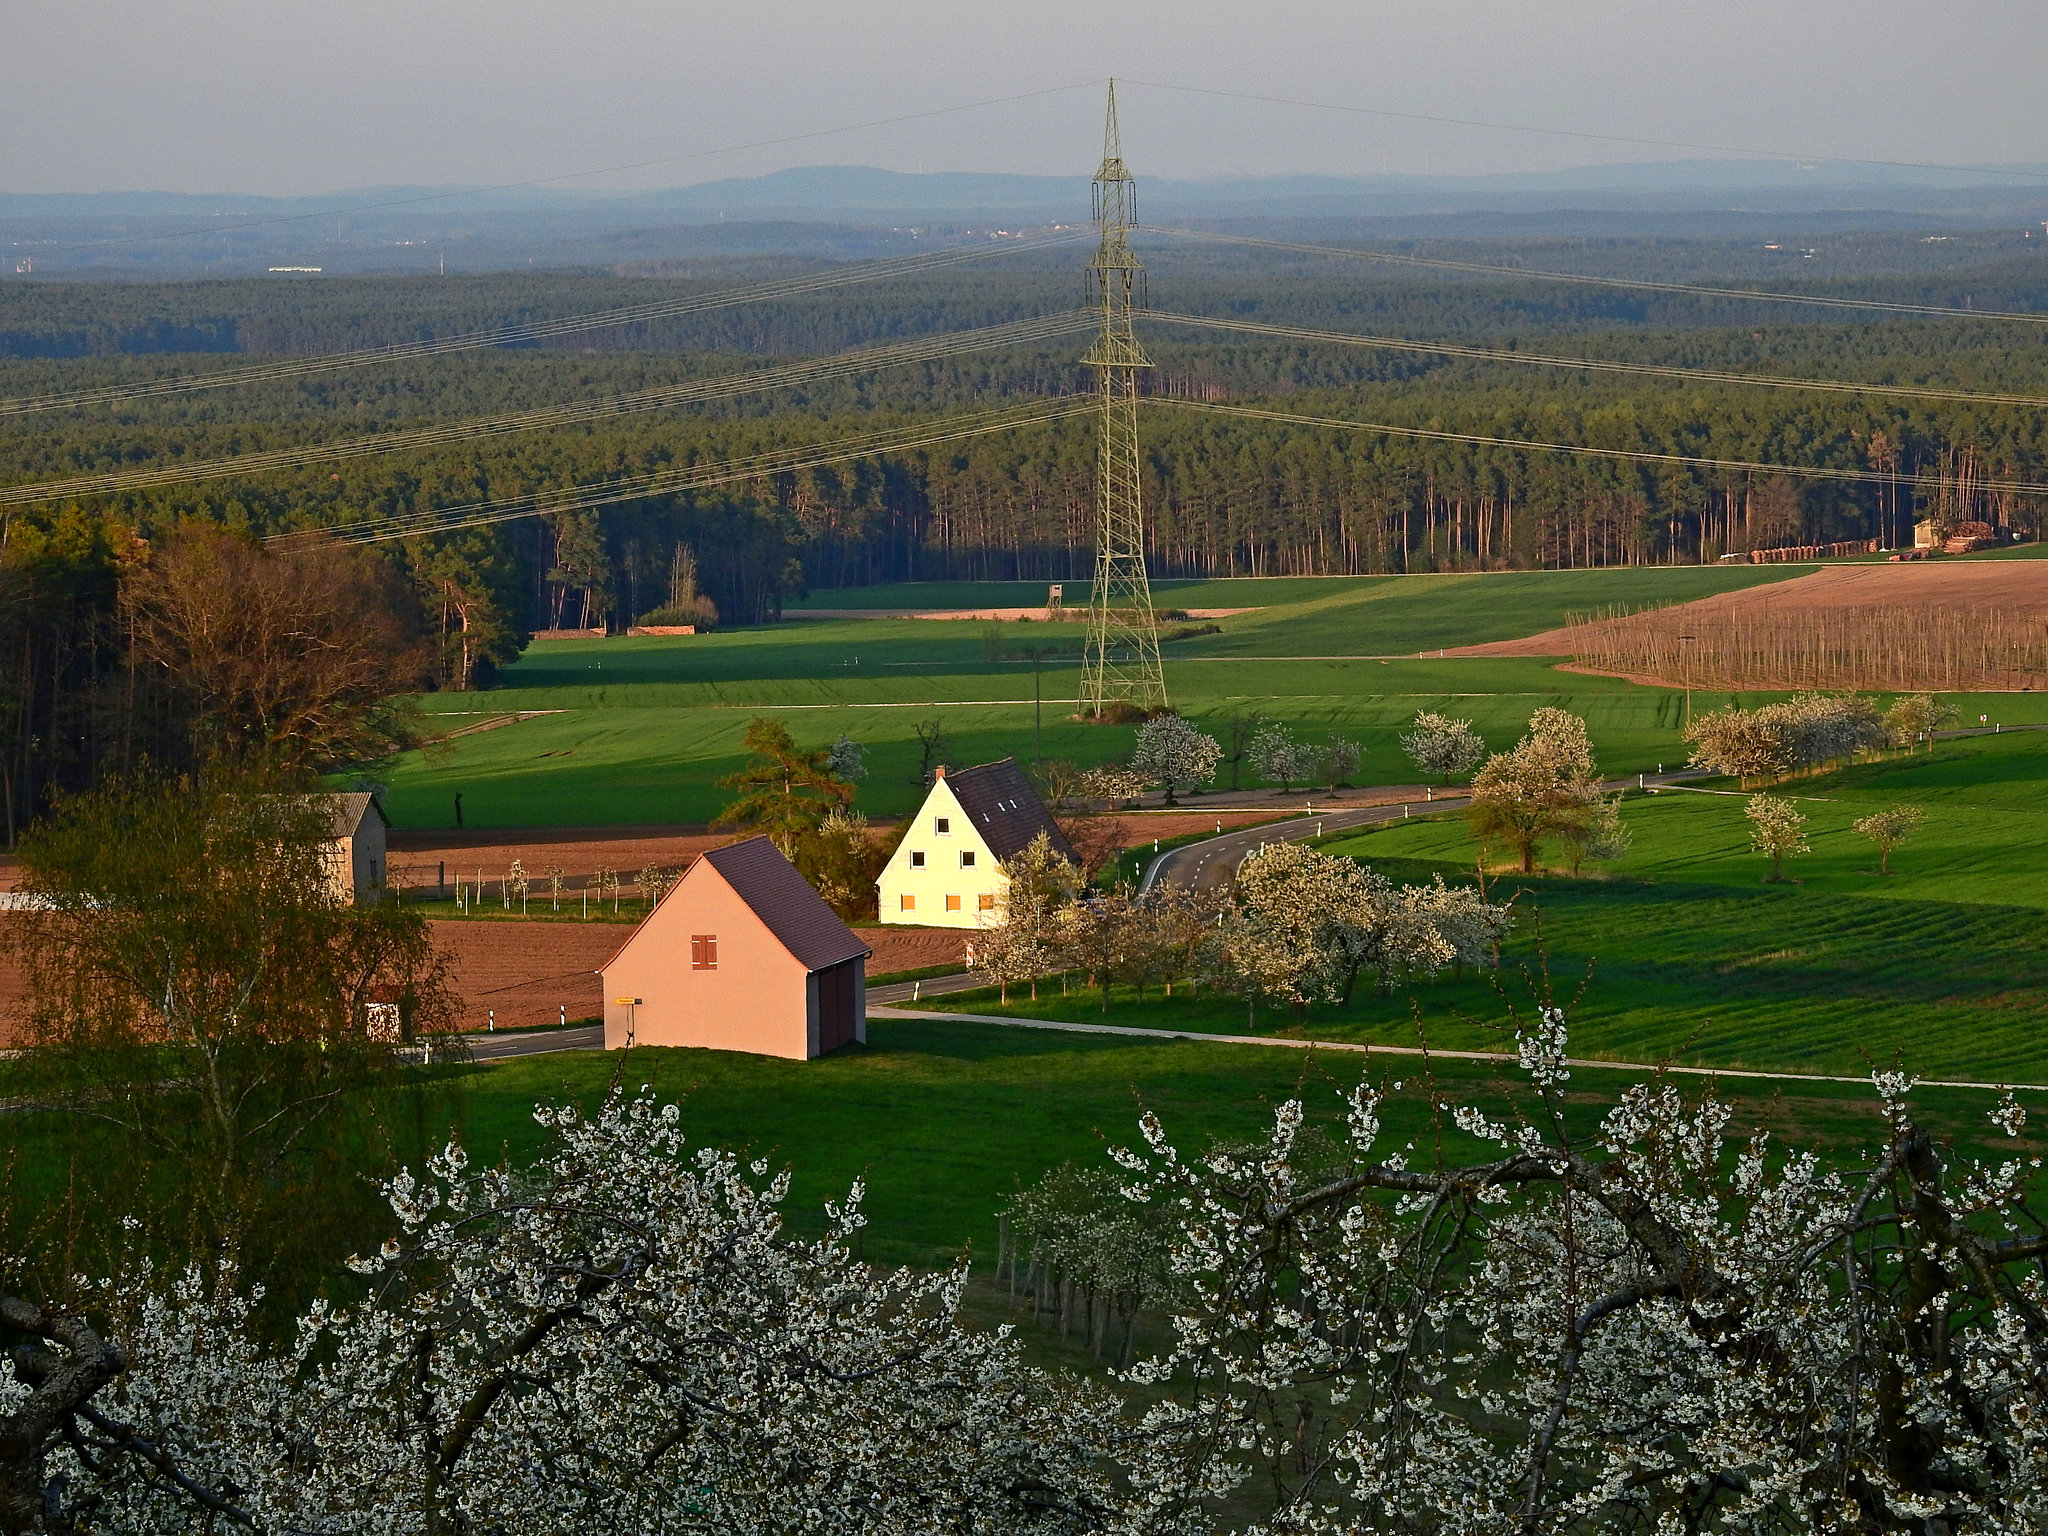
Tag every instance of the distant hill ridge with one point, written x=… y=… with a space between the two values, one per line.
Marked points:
x=844 y=189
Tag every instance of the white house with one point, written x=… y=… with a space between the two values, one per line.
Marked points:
x=946 y=873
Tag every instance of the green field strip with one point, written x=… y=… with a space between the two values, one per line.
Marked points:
x=943 y=1121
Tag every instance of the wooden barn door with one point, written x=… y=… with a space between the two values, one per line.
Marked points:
x=836 y=990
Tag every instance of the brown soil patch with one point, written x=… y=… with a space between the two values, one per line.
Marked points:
x=418 y=858
x=538 y=972
x=527 y=973
x=912 y=949
x=1165 y=825
x=1929 y=584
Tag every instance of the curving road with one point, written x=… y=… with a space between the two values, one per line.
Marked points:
x=1206 y=865
x=1212 y=863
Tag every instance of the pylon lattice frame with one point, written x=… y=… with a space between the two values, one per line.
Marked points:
x=1121 y=665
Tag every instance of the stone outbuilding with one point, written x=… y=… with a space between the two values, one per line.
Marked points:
x=740 y=955
x=947 y=871
x=357 y=845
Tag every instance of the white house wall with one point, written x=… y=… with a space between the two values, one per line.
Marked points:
x=942 y=891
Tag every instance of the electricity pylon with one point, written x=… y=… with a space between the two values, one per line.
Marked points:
x=1122 y=661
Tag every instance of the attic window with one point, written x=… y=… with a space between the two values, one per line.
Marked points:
x=917 y=858
x=967 y=858
x=942 y=825
x=703 y=951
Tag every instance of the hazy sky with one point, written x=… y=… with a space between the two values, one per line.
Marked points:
x=284 y=96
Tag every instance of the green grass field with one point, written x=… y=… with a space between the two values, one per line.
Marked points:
x=944 y=1120
x=1693 y=957
x=1683 y=951
x=645 y=727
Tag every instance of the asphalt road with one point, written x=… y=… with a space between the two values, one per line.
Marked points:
x=931 y=986
x=534 y=1042
x=1212 y=863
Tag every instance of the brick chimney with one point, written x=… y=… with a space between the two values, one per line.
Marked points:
x=939 y=772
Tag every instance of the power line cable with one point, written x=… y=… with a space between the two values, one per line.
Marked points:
x=927 y=349
x=1603 y=138
x=1629 y=455
x=602 y=170
x=903 y=439
x=1538 y=274
x=538 y=330
x=1598 y=364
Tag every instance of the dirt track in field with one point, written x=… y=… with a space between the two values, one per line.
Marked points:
x=1929 y=584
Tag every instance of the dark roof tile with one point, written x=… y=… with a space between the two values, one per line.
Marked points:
x=1005 y=809
x=786 y=903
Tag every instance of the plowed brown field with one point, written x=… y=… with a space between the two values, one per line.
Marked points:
x=515 y=973
x=1930 y=584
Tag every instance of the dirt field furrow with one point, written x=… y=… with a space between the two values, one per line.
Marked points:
x=1931 y=584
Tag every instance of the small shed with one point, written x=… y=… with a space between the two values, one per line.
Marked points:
x=947 y=871
x=741 y=955
x=357 y=851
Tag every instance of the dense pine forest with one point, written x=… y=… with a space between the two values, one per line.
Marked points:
x=1226 y=495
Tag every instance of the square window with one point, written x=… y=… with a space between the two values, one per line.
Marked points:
x=967 y=858
x=917 y=858
x=943 y=825
x=908 y=903
x=703 y=951
x=952 y=903
x=987 y=901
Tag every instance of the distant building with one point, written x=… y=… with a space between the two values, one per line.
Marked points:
x=356 y=845
x=741 y=955
x=946 y=873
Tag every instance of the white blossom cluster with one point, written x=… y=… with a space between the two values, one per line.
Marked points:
x=1547 y=1324
x=1443 y=747
x=1646 y=1329
x=1171 y=752
x=1800 y=732
x=622 y=1340
x=1303 y=925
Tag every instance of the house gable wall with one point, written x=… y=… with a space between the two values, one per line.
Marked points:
x=757 y=1000
x=942 y=875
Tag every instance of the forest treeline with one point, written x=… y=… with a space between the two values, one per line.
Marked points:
x=301 y=315
x=1225 y=496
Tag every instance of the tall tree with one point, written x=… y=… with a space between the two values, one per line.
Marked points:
x=298 y=656
x=201 y=986
x=1544 y=787
x=785 y=791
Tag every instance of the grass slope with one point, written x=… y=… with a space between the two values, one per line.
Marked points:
x=644 y=728
x=943 y=1120
x=1693 y=957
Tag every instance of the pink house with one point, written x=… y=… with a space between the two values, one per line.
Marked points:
x=741 y=955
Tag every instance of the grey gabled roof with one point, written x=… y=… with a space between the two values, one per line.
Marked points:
x=1005 y=810
x=345 y=812
x=786 y=903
